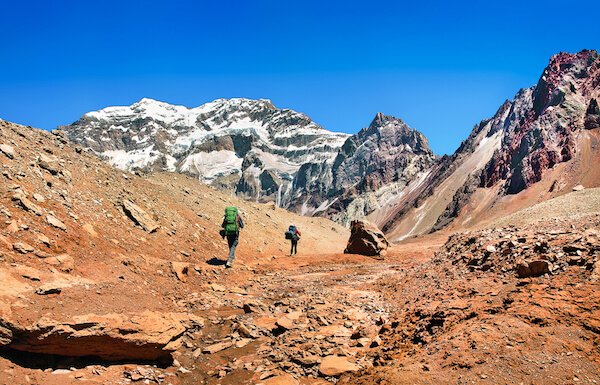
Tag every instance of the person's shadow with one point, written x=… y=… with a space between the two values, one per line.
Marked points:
x=214 y=261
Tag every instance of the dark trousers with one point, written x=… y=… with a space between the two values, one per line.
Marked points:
x=232 y=241
x=294 y=249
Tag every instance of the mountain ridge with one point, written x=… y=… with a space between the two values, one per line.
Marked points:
x=527 y=141
x=254 y=149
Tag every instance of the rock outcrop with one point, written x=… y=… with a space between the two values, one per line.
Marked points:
x=366 y=239
x=555 y=110
x=113 y=337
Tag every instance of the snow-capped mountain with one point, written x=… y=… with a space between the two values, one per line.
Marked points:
x=262 y=152
x=248 y=146
x=539 y=145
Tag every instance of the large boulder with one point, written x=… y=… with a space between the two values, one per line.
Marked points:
x=366 y=239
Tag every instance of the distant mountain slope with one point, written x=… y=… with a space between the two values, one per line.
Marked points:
x=547 y=134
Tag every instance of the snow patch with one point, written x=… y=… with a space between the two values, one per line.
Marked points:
x=210 y=165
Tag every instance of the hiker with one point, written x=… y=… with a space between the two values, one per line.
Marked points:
x=232 y=223
x=293 y=234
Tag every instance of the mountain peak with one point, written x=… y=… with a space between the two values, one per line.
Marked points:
x=380 y=120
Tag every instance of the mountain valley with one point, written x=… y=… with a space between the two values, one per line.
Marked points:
x=112 y=265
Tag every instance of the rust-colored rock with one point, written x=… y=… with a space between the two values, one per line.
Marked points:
x=7 y=150
x=366 y=239
x=55 y=222
x=139 y=216
x=336 y=366
x=111 y=337
x=26 y=204
x=64 y=262
x=532 y=269
x=181 y=270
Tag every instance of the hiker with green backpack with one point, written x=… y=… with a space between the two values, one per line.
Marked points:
x=232 y=223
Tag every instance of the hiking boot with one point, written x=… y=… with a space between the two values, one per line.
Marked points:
x=228 y=265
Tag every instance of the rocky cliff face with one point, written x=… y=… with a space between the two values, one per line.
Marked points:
x=563 y=102
x=539 y=129
x=371 y=168
x=262 y=153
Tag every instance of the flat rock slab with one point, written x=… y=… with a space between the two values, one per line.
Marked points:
x=23 y=247
x=112 y=337
x=55 y=222
x=284 y=379
x=211 y=349
x=49 y=163
x=7 y=150
x=139 y=216
x=288 y=321
x=26 y=204
x=336 y=366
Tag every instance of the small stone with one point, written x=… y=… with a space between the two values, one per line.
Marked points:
x=49 y=163
x=181 y=270
x=7 y=150
x=253 y=307
x=217 y=287
x=139 y=216
x=64 y=262
x=539 y=267
x=288 y=321
x=26 y=204
x=43 y=239
x=243 y=342
x=244 y=331
x=61 y=371
x=523 y=269
x=48 y=289
x=23 y=247
x=214 y=348
x=53 y=221
x=197 y=353
x=284 y=379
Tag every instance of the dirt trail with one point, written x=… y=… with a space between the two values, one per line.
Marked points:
x=292 y=315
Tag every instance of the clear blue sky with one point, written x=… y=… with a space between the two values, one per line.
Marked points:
x=440 y=66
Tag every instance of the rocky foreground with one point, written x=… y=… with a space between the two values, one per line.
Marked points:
x=502 y=305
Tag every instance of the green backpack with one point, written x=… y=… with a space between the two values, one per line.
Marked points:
x=231 y=222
